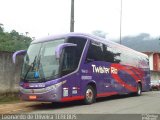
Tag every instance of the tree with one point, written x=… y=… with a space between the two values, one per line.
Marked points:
x=14 y=33
x=13 y=41
x=1 y=28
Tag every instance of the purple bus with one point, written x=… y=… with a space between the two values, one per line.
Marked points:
x=78 y=66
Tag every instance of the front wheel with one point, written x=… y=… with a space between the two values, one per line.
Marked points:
x=90 y=95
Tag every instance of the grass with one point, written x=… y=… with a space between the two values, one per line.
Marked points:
x=9 y=98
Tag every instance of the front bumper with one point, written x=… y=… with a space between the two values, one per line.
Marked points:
x=39 y=95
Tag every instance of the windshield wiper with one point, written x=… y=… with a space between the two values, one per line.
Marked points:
x=31 y=67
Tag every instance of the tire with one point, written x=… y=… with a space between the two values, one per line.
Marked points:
x=139 y=89
x=90 y=95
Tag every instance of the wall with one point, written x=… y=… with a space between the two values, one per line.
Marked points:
x=151 y=61
x=156 y=61
x=9 y=72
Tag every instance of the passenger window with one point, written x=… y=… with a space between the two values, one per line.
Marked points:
x=100 y=52
x=95 y=52
x=111 y=54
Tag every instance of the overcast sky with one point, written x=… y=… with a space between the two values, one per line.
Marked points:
x=43 y=17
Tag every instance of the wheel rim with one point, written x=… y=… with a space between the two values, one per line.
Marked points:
x=89 y=95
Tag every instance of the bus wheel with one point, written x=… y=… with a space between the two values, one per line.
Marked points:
x=90 y=96
x=139 y=89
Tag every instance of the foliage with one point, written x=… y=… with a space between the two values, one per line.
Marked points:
x=13 y=41
x=9 y=98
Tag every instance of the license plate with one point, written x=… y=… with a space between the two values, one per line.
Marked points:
x=32 y=97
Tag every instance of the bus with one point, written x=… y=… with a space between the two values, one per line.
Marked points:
x=78 y=66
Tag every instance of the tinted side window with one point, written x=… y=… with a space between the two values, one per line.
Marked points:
x=111 y=54
x=129 y=58
x=95 y=52
x=78 y=49
x=108 y=54
x=100 y=52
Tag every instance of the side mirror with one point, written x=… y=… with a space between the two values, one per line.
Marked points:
x=60 y=47
x=16 y=53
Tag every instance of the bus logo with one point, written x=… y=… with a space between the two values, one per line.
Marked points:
x=103 y=69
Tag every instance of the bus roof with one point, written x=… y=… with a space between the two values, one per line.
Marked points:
x=87 y=36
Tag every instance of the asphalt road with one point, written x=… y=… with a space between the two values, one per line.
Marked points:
x=148 y=103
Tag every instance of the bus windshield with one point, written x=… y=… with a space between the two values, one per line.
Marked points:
x=40 y=62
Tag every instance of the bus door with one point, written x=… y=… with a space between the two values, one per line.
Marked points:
x=69 y=65
x=71 y=60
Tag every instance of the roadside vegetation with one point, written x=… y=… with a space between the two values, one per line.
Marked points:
x=9 y=98
x=13 y=41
